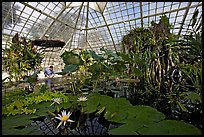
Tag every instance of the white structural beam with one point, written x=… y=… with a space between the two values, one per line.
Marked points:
x=87 y=17
x=184 y=17
x=141 y=15
x=156 y=14
x=62 y=50
x=7 y=15
x=26 y=4
x=108 y=28
x=89 y=44
x=76 y=23
x=53 y=22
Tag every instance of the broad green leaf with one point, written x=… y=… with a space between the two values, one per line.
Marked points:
x=131 y=126
x=17 y=120
x=69 y=57
x=117 y=110
x=137 y=72
x=138 y=60
x=122 y=101
x=65 y=105
x=9 y=124
x=116 y=115
x=32 y=130
x=154 y=129
x=193 y=97
x=125 y=57
x=143 y=112
x=181 y=106
x=42 y=108
x=170 y=127
x=109 y=52
x=123 y=130
x=105 y=100
x=92 y=103
x=76 y=59
x=95 y=56
x=68 y=69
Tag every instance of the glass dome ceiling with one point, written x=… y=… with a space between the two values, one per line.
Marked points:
x=90 y=25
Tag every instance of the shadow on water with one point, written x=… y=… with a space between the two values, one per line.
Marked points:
x=92 y=124
x=84 y=125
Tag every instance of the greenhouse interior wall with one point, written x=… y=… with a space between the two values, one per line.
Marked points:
x=102 y=68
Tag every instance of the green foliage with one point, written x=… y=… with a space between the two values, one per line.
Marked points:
x=145 y=120
x=124 y=129
x=32 y=79
x=16 y=94
x=68 y=69
x=32 y=130
x=95 y=56
x=192 y=97
x=152 y=53
x=135 y=119
x=20 y=57
x=71 y=58
x=146 y=113
x=23 y=106
x=130 y=127
x=90 y=106
x=11 y=125
x=149 y=54
x=169 y=127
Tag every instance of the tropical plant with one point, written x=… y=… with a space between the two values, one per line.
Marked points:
x=189 y=63
x=160 y=55
x=20 y=57
x=139 y=119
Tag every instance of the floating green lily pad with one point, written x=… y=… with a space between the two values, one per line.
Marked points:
x=170 y=127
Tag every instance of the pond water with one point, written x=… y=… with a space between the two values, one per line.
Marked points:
x=93 y=125
x=97 y=125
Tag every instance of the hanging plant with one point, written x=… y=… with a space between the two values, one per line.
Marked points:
x=49 y=43
x=20 y=58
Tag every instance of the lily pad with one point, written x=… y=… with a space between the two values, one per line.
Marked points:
x=115 y=115
x=170 y=127
x=117 y=109
x=92 y=103
x=42 y=108
x=130 y=127
x=24 y=121
x=145 y=112
x=123 y=130
x=17 y=120
x=32 y=130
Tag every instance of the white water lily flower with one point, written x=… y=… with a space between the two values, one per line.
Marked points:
x=64 y=118
x=56 y=100
x=82 y=99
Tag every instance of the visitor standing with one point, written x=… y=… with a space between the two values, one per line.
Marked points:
x=49 y=73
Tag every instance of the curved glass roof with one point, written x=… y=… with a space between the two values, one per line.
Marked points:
x=90 y=25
